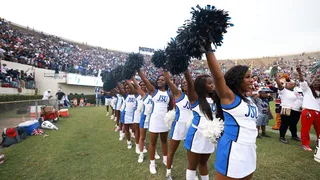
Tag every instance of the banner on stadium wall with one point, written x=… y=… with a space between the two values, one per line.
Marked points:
x=146 y=49
x=76 y=79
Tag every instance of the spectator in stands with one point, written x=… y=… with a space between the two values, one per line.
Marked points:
x=60 y=98
x=2 y=51
x=4 y=69
x=30 y=81
x=46 y=97
x=22 y=79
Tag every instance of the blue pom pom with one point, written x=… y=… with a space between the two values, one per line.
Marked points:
x=214 y=50
x=212 y=8
x=208 y=7
x=231 y=25
x=229 y=18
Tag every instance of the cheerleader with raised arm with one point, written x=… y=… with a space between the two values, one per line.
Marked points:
x=113 y=103
x=236 y=149
x=200 y=94
x=121 y=111
x=145 y=106
x=129 y=113
x=161 y=104
x=118 y=105
x=108 y=98
x=178 y=127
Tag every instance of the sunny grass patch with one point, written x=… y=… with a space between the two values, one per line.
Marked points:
x=86 y=147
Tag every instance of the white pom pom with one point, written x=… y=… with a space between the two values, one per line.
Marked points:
x=212 y=130
x=169 y=118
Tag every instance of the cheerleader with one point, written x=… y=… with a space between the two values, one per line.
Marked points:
x=161 y=104
x=236 y=149
x=179 y=127
x=146 y=101
x=113 y=102
x=198 y=147
x=118 y=108
x=136 y=116
x=108 y=98
x=128 y=111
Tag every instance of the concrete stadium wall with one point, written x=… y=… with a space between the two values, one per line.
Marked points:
x=15 y=91
x=44 y=79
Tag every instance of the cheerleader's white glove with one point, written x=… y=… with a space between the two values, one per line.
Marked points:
x=212 y=130
x=169 y=118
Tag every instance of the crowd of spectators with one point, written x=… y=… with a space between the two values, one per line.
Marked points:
x=15 y=78
x=51 y=52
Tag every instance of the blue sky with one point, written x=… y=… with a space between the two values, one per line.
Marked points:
x=262 y=28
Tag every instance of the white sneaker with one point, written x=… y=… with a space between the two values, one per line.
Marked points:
x=121 y=137
x=156 y=156
x=112 y=117
x=107 y=114
x=168 y=176
x=137 y=150
x=152 y=168
x=140 y=159
x=130 y=146
x=145 y=150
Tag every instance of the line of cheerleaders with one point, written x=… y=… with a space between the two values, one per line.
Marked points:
x=142 y=106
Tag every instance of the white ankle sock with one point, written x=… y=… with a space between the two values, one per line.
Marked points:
x=168 y=171
x=153 y=162
x=206 y=177
x=141 y=153
x=165 y=158
x=190 y=174
x=128 y=142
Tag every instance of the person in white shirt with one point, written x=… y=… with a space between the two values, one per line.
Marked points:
x=290 y=108
x=4 y=69
x=311 y=110
x=46 y=97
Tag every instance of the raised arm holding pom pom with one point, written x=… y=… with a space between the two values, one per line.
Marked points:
x=239 y=110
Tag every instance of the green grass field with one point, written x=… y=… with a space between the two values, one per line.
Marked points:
x=86 y=147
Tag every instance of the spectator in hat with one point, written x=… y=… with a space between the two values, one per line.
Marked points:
x=46 y=96
x=262 y=102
